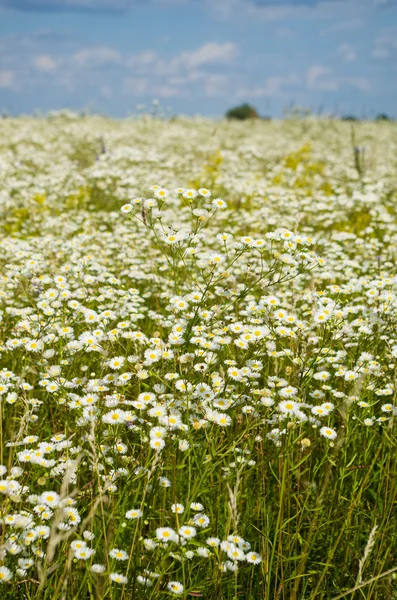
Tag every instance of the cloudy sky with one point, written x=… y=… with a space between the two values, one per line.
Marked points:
x=199 y=56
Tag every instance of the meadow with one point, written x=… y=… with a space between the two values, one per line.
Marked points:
x=198 y=352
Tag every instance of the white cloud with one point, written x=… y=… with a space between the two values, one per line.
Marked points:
x=347 y=25
x=216 y=85
x=360 y=83
x=44 y=62
x=185 y=66
x=136 y=86
x=228 y=9
x=385 y=45
x=346 y=52
x=156 y=76
x=142 y=61
x=7 y=79
x=96 y=56
x=140 y=86
x=146 y=73
x=315 y=75
x=277 y=10
x=106 y=92
x=273 y=86
x=380 y=53
x=166 y=91
x=321 y=78
x=210 y=53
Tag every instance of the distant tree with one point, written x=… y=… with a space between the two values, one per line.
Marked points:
x=382 y=117
x=350 y=118
x=242 y=112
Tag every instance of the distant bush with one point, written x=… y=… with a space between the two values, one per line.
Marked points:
x=350 y=118
x=242 y=112
x=383 y=117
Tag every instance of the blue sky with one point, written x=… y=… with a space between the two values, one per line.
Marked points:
x=199 y=56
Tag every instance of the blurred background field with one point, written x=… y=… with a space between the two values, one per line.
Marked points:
x=92 y=162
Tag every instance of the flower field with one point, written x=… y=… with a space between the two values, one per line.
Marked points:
x=198 y=352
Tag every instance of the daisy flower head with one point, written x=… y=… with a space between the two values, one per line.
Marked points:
x=350 y=375
x=144 y=581
x=224 y=237
x=236 y=539
x=288 y=407
x=164 y=482
x=213 y=542
x=98 y=568
x=253 y=558
x=201 y=520
x=187 y=532
x=175 y=587
x=157 y=444
x=126 y=208
x=150 y=203
x=322 y=376
x=223 y=420
x=78 y=545
x=118 y=578
x=114 y=417
x=84 y=553
x=328 y=432
x=229 y=565
x=117 y=362
x=247 y=240
x=133 y=513
x=219 y=203
x=235 y=553
x=5 y=574
x=51 y=499
x=166 y=534
x=320 y=317
x=215 y=258
x=226 y=545
x=319 y=411
x=161 y=193
x=118 y=554
x=288 y=391
x=189 y=194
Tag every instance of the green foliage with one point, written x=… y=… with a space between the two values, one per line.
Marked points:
x=383 y=117
x=242 y=112
x=352 y=118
